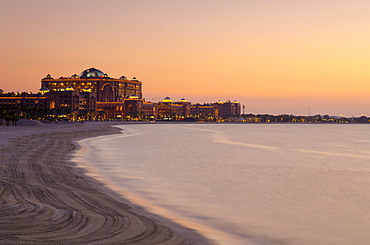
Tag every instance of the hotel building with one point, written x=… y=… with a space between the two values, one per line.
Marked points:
x=23 y=100
x=107 y=89
x=94 y=90
x=94 y=95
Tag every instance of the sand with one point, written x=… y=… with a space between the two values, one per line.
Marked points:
x=46 y=200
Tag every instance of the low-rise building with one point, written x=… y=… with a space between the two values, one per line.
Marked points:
x=203 y=111
x=227 y=109
x=23 y=100
x=173 y=110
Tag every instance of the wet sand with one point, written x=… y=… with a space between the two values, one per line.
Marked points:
x=45 y=200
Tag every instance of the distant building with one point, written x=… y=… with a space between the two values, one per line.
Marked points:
x=227 y=109
x=173 y=110
x=133 y=107
x=167 y=109
x=23 y=100
x=209 y=111
x=95 y=91
x=71 y=101
x=149 y=110
x=203 y=111
x=93 y=80
x=94 y=95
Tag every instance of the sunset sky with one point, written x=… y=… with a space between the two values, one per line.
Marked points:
x=273 y=56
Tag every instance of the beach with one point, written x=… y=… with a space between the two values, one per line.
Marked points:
x=45 y=199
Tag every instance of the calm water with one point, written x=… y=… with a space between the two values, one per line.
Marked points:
x=244 y=183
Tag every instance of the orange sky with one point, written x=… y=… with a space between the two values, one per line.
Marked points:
x=272 y=56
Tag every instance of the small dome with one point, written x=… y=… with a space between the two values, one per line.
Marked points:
x=134 y=79
x=123 y=78
x=48 y=76
x=44 y=91
x=75 y=76
x=92 y=73
x=167 y=99
x=183 y=100
x=1 y=91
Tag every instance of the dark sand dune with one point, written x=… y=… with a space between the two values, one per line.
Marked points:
x=44 y=201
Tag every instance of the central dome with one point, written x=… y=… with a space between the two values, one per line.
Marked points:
x=92 y=73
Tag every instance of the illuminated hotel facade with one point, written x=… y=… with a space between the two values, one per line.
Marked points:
x=101 y=97
x=106 y=97
x=107 y=89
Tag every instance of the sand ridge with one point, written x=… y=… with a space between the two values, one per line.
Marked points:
x=44 y=201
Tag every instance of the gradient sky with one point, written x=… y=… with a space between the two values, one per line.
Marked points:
x=273 y=56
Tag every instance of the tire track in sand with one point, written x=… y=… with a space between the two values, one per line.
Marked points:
x=43 y=201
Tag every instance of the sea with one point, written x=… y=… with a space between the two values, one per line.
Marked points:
x=239 y=184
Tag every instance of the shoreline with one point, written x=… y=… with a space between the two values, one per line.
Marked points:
x=46 y=198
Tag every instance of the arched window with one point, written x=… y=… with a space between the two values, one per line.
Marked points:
x=108 y=93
